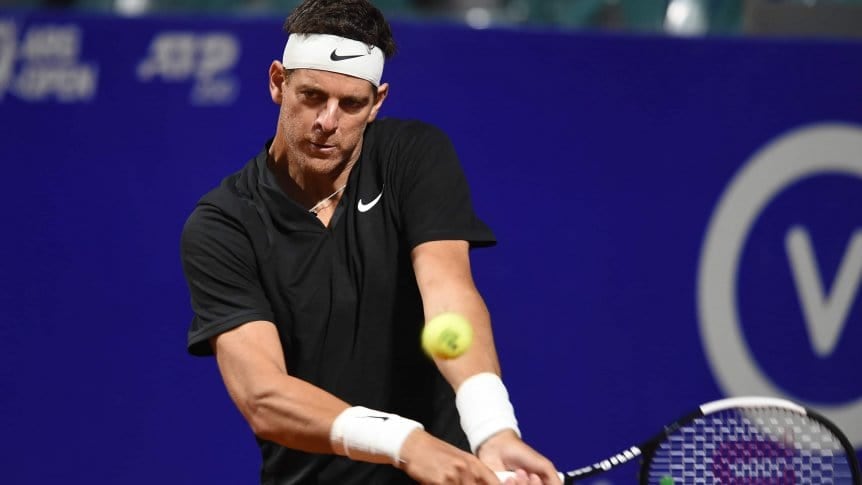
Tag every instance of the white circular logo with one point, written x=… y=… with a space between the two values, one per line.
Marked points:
x=813 y=150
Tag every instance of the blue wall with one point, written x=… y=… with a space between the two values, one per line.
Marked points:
x=615 y=170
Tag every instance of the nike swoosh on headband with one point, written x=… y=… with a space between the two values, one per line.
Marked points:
x=363 y=207
x=335 y=57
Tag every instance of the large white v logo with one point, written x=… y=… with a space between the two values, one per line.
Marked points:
x=825 y=315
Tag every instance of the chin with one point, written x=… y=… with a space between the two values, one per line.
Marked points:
x=321 y=165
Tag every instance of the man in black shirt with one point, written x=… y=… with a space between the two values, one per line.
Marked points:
x=313 y=269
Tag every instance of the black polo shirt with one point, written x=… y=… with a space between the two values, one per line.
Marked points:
x=344 y=298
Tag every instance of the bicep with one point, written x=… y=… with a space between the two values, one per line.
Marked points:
x=443 y=274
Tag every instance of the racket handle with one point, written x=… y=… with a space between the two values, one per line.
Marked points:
x=503 y=476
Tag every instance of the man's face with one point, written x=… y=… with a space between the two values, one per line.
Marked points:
x=323 y=117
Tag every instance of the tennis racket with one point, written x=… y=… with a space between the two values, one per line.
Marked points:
x=743 y=440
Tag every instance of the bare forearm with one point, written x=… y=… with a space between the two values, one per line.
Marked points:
x=277 y=406
x=446 y=284
x=293 y=413
x=482 y=355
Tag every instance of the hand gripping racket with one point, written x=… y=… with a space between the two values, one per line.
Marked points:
x=743 y=440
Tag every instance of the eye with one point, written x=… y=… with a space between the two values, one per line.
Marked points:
x=352 y=104
x=311 y=96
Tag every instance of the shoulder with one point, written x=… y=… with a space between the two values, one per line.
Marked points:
x=400 y=133
x=209 y=225
x=223 y=210
x=235 y=194
x=219 y=233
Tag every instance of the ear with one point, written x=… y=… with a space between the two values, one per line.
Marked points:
x=276 y=81
x=382 y=92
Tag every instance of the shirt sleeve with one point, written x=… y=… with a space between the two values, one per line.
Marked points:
x=222 y=276
x=434 y=194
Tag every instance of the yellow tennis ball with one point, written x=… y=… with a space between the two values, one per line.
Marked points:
x=447 y=336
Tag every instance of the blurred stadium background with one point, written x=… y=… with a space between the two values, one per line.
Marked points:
x=691 y=17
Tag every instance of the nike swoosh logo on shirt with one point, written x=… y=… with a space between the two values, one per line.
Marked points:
x=363 y=207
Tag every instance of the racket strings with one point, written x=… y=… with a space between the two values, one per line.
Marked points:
x=757 y=446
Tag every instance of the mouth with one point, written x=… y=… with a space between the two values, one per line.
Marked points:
x=321 y=147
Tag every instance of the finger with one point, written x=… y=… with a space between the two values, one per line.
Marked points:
x=552 y=477
x=522 y=477
x=547 y=473
x=505 y=477
x=512 y=480
x=518 y=477
x=491 y=477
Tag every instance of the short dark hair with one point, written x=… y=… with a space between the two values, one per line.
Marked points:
x=353 y=19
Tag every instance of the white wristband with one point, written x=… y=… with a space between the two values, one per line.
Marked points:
x=367 y=434
x=483 y=403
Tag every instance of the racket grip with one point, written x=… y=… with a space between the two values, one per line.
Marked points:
x=503 y=476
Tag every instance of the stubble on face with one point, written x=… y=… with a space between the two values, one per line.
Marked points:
x=322 y=120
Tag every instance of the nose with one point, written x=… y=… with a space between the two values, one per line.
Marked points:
x=327 y=118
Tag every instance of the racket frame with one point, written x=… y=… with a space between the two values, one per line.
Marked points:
x=646 y=450
x=747 y=402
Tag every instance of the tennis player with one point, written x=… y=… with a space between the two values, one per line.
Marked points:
x=313 y=268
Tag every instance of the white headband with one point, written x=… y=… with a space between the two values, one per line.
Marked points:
x=335 y=54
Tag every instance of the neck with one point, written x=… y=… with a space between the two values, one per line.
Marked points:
x=314 y=191
x=327 y=201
